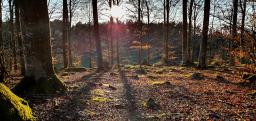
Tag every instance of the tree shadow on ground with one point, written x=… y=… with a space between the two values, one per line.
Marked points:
x=132 y=110
x=242 y=83
x=75 y=102
x=184 y=96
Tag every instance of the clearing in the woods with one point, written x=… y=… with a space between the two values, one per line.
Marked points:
x=161 y=93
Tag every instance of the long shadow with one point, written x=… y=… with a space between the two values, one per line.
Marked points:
x=133 y=113
x=188 y=96
x=71 y=109
x=223 y=80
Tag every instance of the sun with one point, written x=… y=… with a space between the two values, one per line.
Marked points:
x=117 y=12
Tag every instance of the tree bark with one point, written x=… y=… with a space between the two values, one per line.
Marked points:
x=148 y=26
x=65 y=33
x=97 y=35
x=117 y=47
x=139 y=11
x=190 y=31
x=184 y=37
x=164 y=31
x=70 y=60
x=11 y=30
x=234 y=30
x=1 y=37
x=19 y=36
x=140 y=32
x=167 y=30
x=194 y=17
x=164 y=11
x=243 y=8
x=90 y=38
x=203 y=47
x=39 y=77
x=111 y=36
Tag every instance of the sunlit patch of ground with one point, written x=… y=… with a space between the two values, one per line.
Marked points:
x=185 y=98
x=119 y=96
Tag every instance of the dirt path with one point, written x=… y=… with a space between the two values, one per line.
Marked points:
x=122 y=96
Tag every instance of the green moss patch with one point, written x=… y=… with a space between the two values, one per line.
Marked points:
x=99 y=92
x=159 y=82
x=12 y=107
x=100 y=99
x=131 y=67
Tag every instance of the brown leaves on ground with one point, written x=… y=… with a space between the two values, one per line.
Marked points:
x=119 y=96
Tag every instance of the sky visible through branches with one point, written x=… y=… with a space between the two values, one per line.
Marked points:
x=220 y=13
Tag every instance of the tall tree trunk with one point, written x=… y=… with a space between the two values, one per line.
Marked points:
x=139 y=11
x=203 y=47
x=148 y=26
x=189 y=46
x=167 y=30
x=184 y=37
x=195 y=17
x=90 y=38
x=19 y=36
x=117 y=41
x=194 y=30
x=39 y=76
x=164 y=31
x=164 y=11
x=212 y=25
x=90 y=46
x=243 y=8
x=111 y=42
x=69 y=35
x=140 y=30
x=13 y=41
x=96 y=34
x=110 y=2
x=117 y=48
x=234 y=30
x=65 y=33
x=148 y=12
x=1 y=37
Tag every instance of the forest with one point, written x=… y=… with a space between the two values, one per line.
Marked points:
x=127 y=60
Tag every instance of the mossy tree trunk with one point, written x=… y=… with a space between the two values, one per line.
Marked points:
x=12 y=107
x=39 y=74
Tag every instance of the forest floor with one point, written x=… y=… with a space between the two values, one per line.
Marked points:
x=161 y=93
